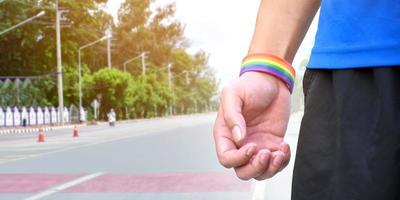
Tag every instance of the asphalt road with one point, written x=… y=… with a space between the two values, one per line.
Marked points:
x=171 y=159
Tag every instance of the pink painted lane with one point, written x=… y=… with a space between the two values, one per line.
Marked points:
x=31 y=183
x=157 y=183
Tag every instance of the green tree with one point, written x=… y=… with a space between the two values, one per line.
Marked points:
x=200 y=88
x=31 y=49
x=112 y=88
x=143 y=29
x=150 y=96
x=6 y=98
x=71 y=84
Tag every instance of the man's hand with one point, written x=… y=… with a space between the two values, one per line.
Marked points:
x=251 y=125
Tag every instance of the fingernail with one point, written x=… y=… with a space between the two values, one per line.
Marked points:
x=237 y=133
x=250 y=150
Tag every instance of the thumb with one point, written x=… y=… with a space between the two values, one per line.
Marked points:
x=232 y=109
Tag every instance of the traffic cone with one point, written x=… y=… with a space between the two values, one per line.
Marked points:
x=41 y=135
x=76 y=134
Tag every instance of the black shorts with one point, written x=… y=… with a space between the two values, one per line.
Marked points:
x=349 y=142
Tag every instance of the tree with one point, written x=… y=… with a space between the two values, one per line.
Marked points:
x=150 y=96
x=112 y=88
x=31 y=49
x=143 y=29
x=202 y=85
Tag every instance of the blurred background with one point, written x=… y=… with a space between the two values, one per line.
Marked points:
x=134 y=58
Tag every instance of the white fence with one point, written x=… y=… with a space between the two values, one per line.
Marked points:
x=34 y=116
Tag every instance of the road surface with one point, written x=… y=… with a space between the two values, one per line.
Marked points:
x=171 y=158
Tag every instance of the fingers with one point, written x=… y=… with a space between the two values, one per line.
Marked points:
x=285 y=148
x=274 y=167
x=235 y=158
x=228 y=153
x=279 y=160
x=255 y=167
x=231 y=103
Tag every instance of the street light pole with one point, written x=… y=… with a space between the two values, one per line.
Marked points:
x=143 y=63
x=170 y=85
x=80 y=69
x=23 y=22
x=143 y=56
x=109 y=34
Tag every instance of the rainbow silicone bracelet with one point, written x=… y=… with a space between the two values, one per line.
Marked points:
x=270 y=64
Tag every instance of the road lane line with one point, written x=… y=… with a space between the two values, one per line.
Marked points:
x=259 y=190
x=64 y=186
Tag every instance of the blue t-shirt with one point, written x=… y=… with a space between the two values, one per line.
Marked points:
x=357 y=33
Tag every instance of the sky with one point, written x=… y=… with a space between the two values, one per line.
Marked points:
x=222 y=28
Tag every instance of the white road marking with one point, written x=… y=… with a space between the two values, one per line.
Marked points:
x=64 y=186
x=259 y=190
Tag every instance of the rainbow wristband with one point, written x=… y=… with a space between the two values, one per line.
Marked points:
x=270 y=64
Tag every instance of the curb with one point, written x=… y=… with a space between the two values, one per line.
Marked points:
x=22 y=131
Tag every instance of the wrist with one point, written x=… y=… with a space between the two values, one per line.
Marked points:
x=273 y=84
x=271 y=65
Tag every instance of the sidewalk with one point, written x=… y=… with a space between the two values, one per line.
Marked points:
x=16 y=130
x=32 y=129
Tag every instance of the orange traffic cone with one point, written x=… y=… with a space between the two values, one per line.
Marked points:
x=41 y=135
x=76 y=134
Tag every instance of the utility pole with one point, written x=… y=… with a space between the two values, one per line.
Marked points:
x=59 y=66
x=80 y=81
x=109 y=47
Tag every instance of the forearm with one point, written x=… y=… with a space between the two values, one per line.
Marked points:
x=281 y=26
